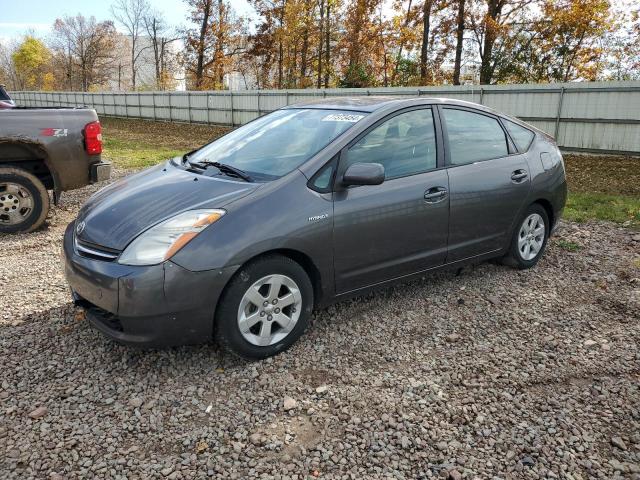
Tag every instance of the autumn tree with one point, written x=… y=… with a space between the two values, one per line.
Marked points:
x=32 y=64
x=491 y=22
x=360 y=44
x=403 y=23
x=568 y=46
x=218 y=37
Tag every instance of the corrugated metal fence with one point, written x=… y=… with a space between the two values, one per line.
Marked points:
x=601 y=116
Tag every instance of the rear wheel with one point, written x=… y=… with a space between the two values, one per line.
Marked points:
x=24 y=201
x=529 y=239
x=265 y=308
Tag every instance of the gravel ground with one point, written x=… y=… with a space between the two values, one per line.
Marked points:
x=491 y=373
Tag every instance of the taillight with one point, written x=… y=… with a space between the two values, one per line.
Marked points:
x=93 y=138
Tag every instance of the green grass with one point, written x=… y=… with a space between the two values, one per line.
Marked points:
x=130 y=155
x=582 y=207
x=136 y=144
x=568 y=245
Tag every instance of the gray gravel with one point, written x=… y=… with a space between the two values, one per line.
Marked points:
x=492 y=373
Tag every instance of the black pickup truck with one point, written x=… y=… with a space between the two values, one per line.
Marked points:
x=44 y=149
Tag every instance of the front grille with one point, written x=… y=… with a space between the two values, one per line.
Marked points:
x=96 y=252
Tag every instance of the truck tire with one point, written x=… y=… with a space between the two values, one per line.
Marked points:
x=24 y=201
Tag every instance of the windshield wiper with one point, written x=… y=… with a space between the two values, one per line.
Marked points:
x=224 y=168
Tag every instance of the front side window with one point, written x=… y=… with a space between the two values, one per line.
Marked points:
x=405 y=144
x=474 y=137
x=521 y=136
x=279 y=142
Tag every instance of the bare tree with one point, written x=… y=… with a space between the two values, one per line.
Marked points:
x=131 y=14
x=86 y=48
x=161 y=36
x=8 y=74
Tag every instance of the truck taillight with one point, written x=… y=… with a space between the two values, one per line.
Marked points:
x=93 y=138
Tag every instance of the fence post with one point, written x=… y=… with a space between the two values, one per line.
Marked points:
x=153 y=104
x=170 y=107
x=259 y=113
x=231 y=98
x=481 y=95
x=558 y=114
x=206 y=100
x=189 y=104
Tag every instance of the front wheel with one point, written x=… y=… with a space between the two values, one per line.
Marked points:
x=529 y=239
x=265 y=308
x=24 y=201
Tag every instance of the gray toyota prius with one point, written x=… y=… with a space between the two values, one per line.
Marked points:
x=241 y=239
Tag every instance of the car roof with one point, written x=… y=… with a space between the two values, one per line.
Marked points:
x=371 y=103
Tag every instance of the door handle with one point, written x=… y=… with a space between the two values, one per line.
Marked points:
x=435 y=194
x=519 y=175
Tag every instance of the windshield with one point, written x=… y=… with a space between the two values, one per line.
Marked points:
x=279 y=142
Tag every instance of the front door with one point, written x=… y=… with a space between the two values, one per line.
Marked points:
x=400 y=227
x=488 y=185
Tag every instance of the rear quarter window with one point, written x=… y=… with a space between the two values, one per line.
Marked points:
x=3 y=94
x=521 y=136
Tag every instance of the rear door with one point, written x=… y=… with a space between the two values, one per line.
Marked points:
x=399 y=227
x=488 y=182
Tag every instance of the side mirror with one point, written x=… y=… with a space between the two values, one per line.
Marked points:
x=363 y=174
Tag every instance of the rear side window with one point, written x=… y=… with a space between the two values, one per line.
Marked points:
x=3 y=94
x=520 y=135
x=474 y=137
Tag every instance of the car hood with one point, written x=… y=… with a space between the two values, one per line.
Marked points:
x=117 y=214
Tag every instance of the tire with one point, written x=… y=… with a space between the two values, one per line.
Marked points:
x=518 y=255
x=267 y=329
x=20 y=191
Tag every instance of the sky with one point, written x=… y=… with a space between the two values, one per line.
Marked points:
x=17 y=17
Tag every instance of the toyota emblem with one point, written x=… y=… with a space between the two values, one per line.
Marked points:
x=80 y=227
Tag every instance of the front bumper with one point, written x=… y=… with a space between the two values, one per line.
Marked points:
x=156 y=306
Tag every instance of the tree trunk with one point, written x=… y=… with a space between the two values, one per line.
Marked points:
x=280 y=46
x=133 y=63
x=424 y=51
x=459 y=40
x=201 y=44
x=327 y=46
x=303 y=57
x=321 y=37
x=494 y=8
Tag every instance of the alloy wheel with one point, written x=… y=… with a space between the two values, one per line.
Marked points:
x=269 y=310
x=531 y=237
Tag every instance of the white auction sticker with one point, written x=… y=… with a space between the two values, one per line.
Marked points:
x=342 y=117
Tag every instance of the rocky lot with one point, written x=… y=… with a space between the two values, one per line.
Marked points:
x=485 y=373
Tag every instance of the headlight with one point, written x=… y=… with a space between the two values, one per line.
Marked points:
x=163 y=241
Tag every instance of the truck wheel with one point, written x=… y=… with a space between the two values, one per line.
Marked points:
x=24 y=202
